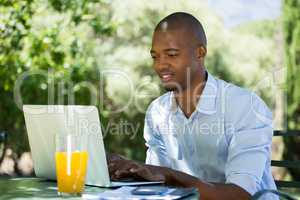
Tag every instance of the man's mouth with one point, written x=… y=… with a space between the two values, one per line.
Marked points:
x=165 y=77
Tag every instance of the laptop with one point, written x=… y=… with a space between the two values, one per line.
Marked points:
x=43 y=122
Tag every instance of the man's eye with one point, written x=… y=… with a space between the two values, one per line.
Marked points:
x=153 y=57
x=172 y=55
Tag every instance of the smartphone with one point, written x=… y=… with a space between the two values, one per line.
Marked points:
x=149 y=190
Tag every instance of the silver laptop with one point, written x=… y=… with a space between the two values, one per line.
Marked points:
x=43 y=122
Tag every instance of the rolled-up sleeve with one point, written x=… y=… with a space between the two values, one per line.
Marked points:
x=156 y=151
x=249 y=146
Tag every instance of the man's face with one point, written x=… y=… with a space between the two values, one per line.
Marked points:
x=174 y=59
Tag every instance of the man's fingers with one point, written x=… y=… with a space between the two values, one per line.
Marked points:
x=118 y=165
x=137 y=172
x=142 y=172
x=147 y=174
x=123 y=169
x=122 y=174
x=112 y=167
x=111 y=164
x=133 y=170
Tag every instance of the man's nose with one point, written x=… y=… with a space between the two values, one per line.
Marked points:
x=161 y=63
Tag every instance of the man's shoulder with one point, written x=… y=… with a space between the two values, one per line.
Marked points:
x=235 y=94
x=160 y=105
x=231 y=90
x=240 y=101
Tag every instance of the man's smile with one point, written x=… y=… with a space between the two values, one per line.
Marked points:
x=166 y=76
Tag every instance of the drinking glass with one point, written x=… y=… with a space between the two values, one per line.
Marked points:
x=71 y=159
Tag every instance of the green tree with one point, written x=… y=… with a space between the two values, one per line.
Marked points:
x=291 y=24
x=46 y=49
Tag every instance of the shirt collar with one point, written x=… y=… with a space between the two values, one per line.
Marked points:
x=207 y=101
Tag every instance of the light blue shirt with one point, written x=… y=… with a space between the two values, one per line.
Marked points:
x=227 y=139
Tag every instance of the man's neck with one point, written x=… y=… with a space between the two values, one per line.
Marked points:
x=188 y=98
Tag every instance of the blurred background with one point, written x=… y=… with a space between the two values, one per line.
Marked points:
x=84 y=51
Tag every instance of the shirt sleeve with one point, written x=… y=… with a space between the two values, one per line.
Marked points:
x=156 y=152
x=250 y=144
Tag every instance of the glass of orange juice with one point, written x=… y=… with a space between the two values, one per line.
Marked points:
x=71 y=159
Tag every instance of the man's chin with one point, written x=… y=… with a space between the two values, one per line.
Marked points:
x=170 y=87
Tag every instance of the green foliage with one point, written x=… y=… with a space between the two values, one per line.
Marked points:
x=292 y=61
x=46 y=57
x=264 y=29
x=15 y=25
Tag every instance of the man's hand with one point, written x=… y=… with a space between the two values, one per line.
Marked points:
x=122 y=168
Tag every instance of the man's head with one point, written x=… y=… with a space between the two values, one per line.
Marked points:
x=178 y=50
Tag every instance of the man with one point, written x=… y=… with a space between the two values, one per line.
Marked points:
x=203 y=132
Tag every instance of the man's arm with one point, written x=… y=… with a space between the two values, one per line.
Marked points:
x=209 y=191
x=123 y=168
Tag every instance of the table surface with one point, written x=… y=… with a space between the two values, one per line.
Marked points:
x=38 y=188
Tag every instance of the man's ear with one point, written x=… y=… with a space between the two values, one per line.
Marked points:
x=201 y=52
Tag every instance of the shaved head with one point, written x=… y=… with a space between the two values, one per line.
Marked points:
x=184 y=22
x=178 y=52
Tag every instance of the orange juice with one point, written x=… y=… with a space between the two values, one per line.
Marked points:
x=71 y=170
